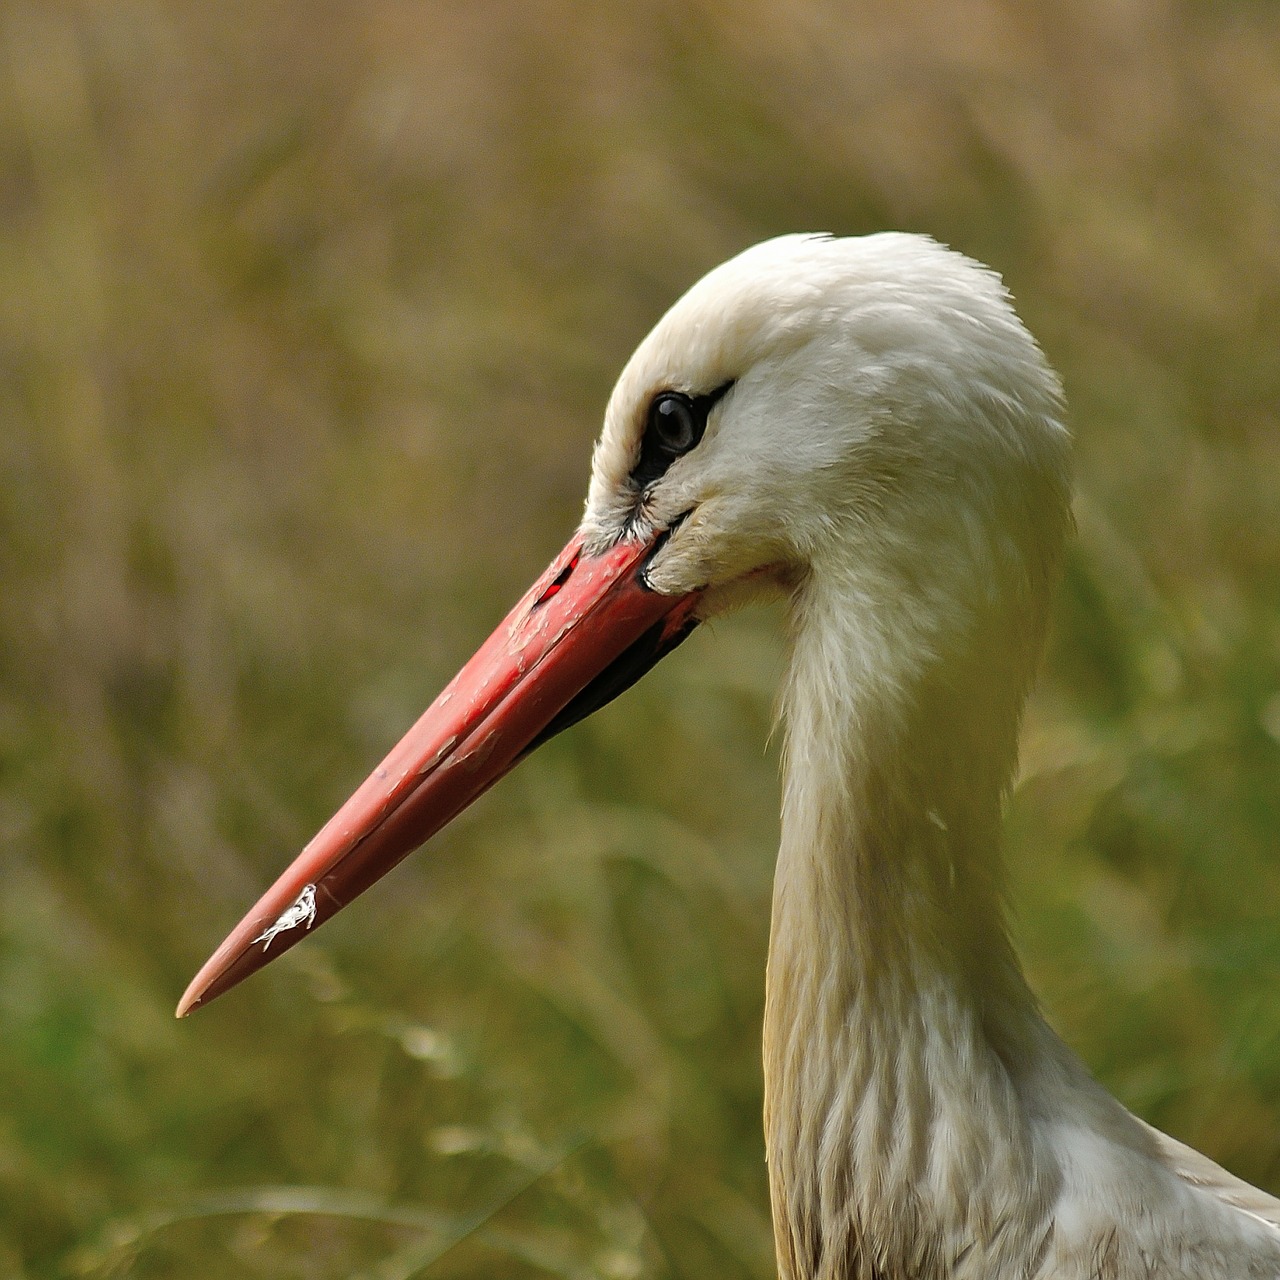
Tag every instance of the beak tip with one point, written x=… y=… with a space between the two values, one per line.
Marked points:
x=192 y=999
x=218 y=975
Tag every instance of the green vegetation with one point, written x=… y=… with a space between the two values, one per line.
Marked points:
x=308 y=313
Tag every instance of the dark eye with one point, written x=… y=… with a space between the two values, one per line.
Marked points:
x=674 y=425
x=675 y=422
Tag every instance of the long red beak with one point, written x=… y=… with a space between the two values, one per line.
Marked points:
x=586 y=630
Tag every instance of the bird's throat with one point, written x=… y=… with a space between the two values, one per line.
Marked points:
x=895 y=1006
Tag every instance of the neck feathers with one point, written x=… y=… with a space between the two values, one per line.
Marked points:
x=896 y=1012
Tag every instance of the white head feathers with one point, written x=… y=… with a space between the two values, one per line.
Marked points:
x=888 y=409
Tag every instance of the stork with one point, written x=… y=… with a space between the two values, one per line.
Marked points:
x=863 y=427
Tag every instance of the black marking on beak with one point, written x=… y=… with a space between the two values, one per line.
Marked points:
x=560 y=579
x=628 y=666
x=616 y=678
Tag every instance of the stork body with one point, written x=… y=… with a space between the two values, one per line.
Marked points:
x=864 y=427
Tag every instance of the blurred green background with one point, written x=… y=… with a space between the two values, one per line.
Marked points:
x=308 y=314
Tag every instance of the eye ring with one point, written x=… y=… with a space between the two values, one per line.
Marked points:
x=675 y=422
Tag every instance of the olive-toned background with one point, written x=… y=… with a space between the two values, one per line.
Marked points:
x=308 y=313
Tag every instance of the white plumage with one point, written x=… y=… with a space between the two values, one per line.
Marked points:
x=892 y=457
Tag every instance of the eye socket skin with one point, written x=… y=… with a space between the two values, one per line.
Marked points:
x=674 y=425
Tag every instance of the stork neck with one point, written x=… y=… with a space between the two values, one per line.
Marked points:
x=895 y=1005
x=899 y=750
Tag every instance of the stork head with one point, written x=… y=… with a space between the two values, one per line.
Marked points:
x=868 y=413
x=868 y=406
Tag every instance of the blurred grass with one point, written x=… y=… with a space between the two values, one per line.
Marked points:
x=307 y=316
